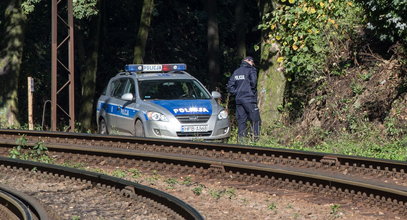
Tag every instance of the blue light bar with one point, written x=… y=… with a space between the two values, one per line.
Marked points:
x=133 y=68
x=155 y=67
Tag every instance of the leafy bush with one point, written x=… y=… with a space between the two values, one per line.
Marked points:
x=387 y=19
x=81 y=8
x=39 y=152
x=312 y=36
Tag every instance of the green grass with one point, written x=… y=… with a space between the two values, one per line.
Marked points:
x=198 y=190
x=75 y=165
x=364 y=142
x=272 y=206
x=171 y=182
x=135 y=173
x=187 y=181
x=119 y=173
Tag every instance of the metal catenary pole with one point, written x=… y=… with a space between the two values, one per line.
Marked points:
x=60 y=65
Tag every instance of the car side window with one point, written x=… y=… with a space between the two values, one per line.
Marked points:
x=118 y=87
x=113 y=87
x=130 y=87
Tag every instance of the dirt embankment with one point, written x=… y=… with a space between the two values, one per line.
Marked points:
x=372 y=92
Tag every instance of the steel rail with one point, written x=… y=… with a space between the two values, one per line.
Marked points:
x=124 y=187
x=32 y=204
x=14 y=206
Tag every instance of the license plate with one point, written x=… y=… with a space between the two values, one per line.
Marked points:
x=194 y=128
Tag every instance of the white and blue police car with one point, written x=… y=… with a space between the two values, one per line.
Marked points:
x=160 y=101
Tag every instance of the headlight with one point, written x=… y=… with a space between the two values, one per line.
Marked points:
x=223 y=115
x=156 y=116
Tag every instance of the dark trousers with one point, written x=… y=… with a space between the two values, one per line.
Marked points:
x=249 y=111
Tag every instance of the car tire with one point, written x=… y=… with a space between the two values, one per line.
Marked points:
x=139 y=129
x=103 y=127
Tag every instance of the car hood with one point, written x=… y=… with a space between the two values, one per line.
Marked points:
x=186 y=107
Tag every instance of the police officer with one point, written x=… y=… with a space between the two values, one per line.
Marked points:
x=243 y=84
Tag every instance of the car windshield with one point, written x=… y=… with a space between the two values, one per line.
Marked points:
x=172 y=89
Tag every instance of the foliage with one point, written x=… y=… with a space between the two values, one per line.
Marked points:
x=119 y=173
x=387 y=19
x=135 y=173
x=81 y=8
x=171 y=182
x=84 y=8
x=187 y=181
x=198 y=190
x=29 y=5
x=335 y=209
x=360 y=139
x=308 y=32
x=76 y=165
x=153 y=178
x=364 y=146
x=24 y=152
x=391 y=128
x=230 y=193
x=357 y=89
x=272 y=206
x=217 y=194
x=75 y=217
x=39 y=152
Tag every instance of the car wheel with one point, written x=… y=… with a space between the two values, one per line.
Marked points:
x=102 y=127
x=139 y=129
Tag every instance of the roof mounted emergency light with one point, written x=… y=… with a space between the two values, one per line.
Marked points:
x=155 y=67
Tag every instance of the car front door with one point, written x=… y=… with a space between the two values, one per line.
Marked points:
x=126 y=110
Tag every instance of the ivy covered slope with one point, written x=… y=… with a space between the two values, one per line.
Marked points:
x=345 y=65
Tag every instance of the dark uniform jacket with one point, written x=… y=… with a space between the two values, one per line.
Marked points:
x=243 y=84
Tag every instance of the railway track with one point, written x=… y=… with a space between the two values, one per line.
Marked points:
x=363 y=180
x=138 y=200
x=17 y=205
x=384 y=170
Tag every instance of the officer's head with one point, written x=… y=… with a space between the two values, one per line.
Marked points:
x=249 y=60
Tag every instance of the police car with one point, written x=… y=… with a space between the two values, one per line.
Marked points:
x=160 y=101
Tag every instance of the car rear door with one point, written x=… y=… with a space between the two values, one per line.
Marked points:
x=116 y=89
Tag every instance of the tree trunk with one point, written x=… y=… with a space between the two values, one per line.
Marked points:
x=143 y=29
x=213 y=43
x=10 y=62
x=272 y=81
x=240 y=28
x=88 y=50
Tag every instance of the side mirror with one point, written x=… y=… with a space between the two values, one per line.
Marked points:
x=216 y=95
x=127 y=97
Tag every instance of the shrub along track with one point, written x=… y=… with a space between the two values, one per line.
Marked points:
x=364 y=180
x=67 y=193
